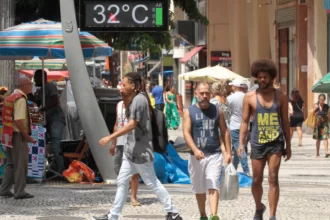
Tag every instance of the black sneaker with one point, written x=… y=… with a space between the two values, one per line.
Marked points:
x=103 y=217
x=173 y=216
x=259 y=214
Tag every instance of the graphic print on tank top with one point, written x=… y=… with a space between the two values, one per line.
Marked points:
x=266 y=125
x=204 y=129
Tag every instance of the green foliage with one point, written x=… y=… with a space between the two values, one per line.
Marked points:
x=190 y=8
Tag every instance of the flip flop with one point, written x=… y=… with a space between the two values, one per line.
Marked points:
x=135 y=204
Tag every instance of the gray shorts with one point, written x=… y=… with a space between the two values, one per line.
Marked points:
x=260 y=153
x=118 y=158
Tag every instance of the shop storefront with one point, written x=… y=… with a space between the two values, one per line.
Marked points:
x=286 y=27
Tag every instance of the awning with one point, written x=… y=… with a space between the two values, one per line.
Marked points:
x=142 y=60
x=323 y=85
x=168 y=73
x=191 y=53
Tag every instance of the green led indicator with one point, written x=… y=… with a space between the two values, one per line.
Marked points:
x=159 y=16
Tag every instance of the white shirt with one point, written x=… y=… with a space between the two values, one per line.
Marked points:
x=122 y=121
x=235 y=101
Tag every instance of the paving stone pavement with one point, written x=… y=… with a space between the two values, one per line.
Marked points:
x=304 y=181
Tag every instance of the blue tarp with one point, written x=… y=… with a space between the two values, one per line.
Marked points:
x=171 y=168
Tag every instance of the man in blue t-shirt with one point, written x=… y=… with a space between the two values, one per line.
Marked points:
x=157 y=93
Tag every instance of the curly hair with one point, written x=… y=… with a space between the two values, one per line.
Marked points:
x=264 y=65
x=219 y=88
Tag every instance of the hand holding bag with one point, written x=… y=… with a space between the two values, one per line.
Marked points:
x=311 y=119
x=229 y=187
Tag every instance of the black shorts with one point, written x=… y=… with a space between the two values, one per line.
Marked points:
x=296 y=122
x=260 y=153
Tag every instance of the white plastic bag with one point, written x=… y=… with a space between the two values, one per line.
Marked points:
x=229 y=187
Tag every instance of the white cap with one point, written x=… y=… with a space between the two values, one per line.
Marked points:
x=237 y=83
x=246 y=85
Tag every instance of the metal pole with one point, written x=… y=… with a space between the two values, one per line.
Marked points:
x=43 y=88
x=89 y=111
x=94 y=67
x=183 y=85
x=121 y=65
x=43 y=83
x=161 y=75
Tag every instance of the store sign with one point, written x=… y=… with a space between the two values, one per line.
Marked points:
x=222 y=58
x=124 y=15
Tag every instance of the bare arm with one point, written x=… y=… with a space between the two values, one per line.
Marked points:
x=187 y=131
x=285 y=120
x=245 y=119
x=132 y=124
x=315 y=108
x=166 y=98
x=225 y=136
x=290 y=109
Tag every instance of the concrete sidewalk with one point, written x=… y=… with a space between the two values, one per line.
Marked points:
x=305 y=195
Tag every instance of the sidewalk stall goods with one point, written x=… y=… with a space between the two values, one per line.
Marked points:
x=37 y=150
x=15 y=45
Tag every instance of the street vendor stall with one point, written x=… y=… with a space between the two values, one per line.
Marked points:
x=15 y=43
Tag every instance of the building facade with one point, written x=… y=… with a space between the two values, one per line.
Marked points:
x=293 y=33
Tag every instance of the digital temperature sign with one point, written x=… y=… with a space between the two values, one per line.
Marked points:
x=126 y=15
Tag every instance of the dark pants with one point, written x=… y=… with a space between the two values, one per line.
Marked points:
x=17 y=167
x=160 y=107
x=55 y=133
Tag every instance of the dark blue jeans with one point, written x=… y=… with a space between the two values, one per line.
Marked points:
x=235 y=142
x=55 y=133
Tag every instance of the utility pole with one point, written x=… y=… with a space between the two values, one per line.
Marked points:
x=7 y=67
x=89 y=112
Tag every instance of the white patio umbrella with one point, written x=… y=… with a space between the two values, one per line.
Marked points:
x=210 y=74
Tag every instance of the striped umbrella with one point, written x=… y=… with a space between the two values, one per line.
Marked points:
x=36 y=63
x=44 y=39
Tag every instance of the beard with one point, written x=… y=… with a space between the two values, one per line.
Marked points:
x=203 y=103
x=265 y=85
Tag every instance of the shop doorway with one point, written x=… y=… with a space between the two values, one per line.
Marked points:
x=287 y=58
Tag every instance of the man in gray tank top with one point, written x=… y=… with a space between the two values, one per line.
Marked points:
x=270 y=132
x=201 y=123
